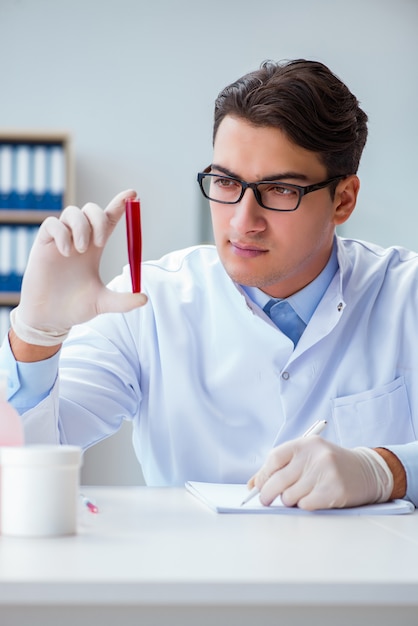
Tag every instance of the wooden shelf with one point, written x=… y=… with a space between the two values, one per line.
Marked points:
x=9 y=298
x=24 y=216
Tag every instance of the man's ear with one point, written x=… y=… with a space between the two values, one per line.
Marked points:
x=345 y=198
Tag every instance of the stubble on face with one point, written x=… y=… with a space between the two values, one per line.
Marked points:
x=279 y=277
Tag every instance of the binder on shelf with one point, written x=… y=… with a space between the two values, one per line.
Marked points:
x=5 y=251
x=4 y=321
x=39 y=160
x=56 y=171
x=15 y=244
x=22 y=177
x=23 y=240
x=6 y=175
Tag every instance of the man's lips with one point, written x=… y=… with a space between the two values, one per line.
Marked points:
x=247 y=251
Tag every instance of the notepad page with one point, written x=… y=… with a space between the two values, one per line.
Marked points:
x=227 y=498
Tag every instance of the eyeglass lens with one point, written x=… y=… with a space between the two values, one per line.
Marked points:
x=278 y=196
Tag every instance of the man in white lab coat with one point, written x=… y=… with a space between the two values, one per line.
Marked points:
x=232 y=351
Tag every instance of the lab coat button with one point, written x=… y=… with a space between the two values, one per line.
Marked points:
x=285 y=375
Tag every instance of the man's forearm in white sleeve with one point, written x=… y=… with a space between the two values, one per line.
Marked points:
x=33 y=391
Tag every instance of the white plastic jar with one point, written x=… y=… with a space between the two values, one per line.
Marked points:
x=39 y=490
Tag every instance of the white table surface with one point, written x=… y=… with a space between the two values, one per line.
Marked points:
x=160 y=554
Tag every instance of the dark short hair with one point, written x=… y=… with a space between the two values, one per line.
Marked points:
x=305 y=100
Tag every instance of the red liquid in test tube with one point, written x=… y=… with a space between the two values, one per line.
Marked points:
x=133 y=231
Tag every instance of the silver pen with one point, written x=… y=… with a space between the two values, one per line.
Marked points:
x=316 y=429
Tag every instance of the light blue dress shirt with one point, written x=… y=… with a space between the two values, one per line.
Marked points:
x=305 y=301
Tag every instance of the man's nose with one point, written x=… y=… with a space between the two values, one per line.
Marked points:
x=248 y=214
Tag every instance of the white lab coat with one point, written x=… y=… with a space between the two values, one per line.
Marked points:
x=211 y=384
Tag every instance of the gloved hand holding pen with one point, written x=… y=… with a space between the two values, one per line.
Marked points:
x=62 y=286
x=313 y=473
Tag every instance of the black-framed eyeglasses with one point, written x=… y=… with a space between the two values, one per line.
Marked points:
x=270 y=194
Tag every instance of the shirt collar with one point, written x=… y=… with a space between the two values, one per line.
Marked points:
x=307 y=299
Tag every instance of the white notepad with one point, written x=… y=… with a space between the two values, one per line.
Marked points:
x=227 y=498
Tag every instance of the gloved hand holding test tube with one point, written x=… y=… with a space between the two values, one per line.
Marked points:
x=70 y=245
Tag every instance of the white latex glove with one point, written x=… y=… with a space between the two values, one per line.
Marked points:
x=313 y=473
x=61 y=285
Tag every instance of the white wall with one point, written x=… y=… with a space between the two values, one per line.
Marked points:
x=135 y=82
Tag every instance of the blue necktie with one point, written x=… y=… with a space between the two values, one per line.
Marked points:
x=285 y=318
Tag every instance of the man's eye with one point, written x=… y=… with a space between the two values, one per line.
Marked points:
x=224 y=182
x=282 y=190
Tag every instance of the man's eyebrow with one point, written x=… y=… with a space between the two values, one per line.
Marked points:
x=279 y=176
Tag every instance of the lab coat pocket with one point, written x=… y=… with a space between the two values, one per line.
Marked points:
x=377 y=417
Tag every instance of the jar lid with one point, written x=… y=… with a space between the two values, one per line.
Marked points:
x=40 y=455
